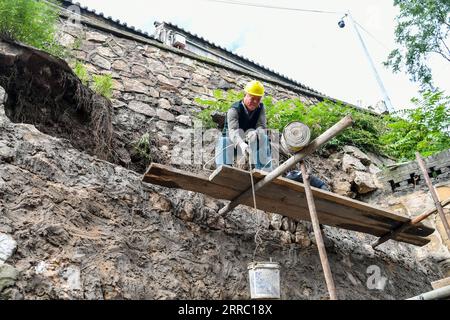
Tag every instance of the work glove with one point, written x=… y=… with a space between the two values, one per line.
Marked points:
x=251 y=135
x=244 y=147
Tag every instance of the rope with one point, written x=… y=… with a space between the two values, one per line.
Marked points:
x=258 y=240
x=251 y=180
x=295 y=136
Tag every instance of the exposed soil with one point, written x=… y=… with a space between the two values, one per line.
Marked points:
x=42 y=90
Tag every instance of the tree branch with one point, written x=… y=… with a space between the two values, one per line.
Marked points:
x=445 y=45
x=442 y=54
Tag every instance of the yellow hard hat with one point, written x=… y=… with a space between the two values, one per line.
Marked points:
x=254 y=88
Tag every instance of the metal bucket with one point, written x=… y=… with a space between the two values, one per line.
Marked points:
x=295 y=137
x=264 y=280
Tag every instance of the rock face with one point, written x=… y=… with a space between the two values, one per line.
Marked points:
x=89 y=229
x=413 y=203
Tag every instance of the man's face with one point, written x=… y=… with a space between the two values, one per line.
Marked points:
x=251 y=101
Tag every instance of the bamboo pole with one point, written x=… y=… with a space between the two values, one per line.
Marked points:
x=405 y=226
x=434 y=195
x=318 y=234
x=313 y=146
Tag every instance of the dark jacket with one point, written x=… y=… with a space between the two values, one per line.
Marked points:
x=240 y=118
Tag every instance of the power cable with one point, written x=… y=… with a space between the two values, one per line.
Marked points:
x=371 y=35
x=249 y=4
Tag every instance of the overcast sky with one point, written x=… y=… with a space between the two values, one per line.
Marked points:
x=305 y=46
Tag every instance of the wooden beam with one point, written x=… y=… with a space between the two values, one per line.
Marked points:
x=287 y=197
x=318 y=235
x=435 y=197
x=174 y=178
x=337 y=205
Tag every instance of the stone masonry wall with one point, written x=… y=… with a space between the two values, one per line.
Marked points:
x=154 y=89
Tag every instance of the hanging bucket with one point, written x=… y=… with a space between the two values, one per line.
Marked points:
x=264 y=280
x=295 y=137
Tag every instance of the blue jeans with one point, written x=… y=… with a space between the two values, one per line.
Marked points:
x=260 y=152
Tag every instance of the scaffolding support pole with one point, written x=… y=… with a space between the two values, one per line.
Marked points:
x=318 y=234
x=434 y=195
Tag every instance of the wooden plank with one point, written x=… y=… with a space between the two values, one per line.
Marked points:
x=234 y=178
x=287 y=197
x=299 y=212
x=291 y=194
x=349 y=208
x=192 y=183
x=173 y=178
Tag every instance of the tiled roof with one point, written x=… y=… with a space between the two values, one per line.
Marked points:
x=242 y=58
x=116 y=22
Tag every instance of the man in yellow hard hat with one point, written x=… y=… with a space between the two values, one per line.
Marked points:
x=245 y=128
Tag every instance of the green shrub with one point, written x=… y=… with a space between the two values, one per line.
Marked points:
x=81 y=72
x=103 y=85
x=221 y=103
x=318 y=117
x=31 y=22
x=423 y=129
x=143 y=147
x=399 y=135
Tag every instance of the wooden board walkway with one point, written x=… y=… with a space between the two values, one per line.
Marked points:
x=287 y=198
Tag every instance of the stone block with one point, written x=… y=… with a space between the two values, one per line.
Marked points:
x=134 y=86
x=106 y=52
x=165 y=115
x=96 y=36
x=120 y=65
x=350 y=164
x=364 y=182
x=101 y=62
x=143 y=108
x=7 y=247
x=358 y=154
